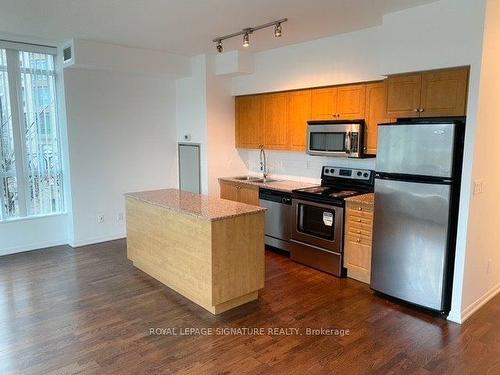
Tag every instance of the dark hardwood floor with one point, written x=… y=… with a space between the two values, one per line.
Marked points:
x=89 y=311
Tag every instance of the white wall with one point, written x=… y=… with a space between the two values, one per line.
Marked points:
x=482 y=266
x=441 y=34
x=191 y=112
x=299 y=166
x=33 y=233
x=104 y=56
x=121 y=138
x=205 y=111
x=223 y=157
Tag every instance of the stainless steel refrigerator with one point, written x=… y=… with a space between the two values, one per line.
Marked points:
x=416 y=207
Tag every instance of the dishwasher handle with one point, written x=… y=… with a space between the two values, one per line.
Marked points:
x=275 y=196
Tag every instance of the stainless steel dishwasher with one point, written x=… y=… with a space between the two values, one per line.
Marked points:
x=278 y=219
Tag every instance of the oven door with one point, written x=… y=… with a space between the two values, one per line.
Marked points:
x=318 y=224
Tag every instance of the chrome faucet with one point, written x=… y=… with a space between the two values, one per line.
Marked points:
x=263 y=163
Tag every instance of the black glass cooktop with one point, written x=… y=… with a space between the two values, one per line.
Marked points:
x=327 y=192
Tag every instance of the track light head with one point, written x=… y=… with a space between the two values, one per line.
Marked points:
x=277 y=30
x=246 y=40
x=219 y=46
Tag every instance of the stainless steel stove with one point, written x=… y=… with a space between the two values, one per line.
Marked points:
x=318 y=217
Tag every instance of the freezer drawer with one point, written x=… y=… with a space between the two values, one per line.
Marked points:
x=416 y=149
x=410 y=241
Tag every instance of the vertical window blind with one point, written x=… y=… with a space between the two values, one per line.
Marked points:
x=31 y=181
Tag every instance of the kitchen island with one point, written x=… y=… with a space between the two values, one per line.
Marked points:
x=210 y=250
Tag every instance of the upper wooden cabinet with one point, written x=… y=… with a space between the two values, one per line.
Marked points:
x=337 y=103
x=279 y=120
x=444 y=92
x=248 y=115
x=299 y=112
x=274 y=120
x=403 y=95
x=374 y=114
x=428 y=94
x=351 y=102
x=324 y=103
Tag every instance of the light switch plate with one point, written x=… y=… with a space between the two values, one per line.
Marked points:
x=478 y=187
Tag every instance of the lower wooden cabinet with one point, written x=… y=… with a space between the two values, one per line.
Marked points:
x=358 y=240
x=239 y=192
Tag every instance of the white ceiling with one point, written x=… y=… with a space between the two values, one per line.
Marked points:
x=188 y=26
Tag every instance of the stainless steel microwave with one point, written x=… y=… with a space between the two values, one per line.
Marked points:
x=335 y=138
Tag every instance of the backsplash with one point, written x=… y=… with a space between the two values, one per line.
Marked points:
x=299 y=166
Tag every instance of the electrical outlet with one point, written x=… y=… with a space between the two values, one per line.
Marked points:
x=488 y=267
x=100 y=218
x=119 y=216
x=478 y=187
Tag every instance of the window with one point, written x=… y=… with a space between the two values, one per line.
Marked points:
x=31 y=181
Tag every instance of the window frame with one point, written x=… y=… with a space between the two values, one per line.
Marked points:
x=18 y=119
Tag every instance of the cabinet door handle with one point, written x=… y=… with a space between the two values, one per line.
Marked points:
x=359 y=220
x=416 y=110
x=358 y=240
x=360 y=208
x=421 y=110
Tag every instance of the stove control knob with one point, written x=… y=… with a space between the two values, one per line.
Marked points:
x=366 y=174
x=327 y=171
x=359 y=173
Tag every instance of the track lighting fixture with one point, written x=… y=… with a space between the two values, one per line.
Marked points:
x=277 y=30
x=246 y=40
x=249 y=30
x=219 y=46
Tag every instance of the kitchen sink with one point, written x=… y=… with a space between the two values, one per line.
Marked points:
x=248 y=178
x=254 y=179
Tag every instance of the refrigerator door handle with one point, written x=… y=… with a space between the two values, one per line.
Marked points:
x=412 y=178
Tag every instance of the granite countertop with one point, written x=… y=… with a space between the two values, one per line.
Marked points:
x=280 y=185
x=201 y=206
x=363 y=198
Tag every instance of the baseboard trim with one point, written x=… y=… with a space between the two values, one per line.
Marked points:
x=32 y=246
x=94 y=240
x=475 y=306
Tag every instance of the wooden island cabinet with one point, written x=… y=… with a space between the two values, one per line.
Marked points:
x=278 y=121
x=207 y=249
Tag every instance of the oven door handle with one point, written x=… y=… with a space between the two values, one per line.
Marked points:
x=348 y=142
